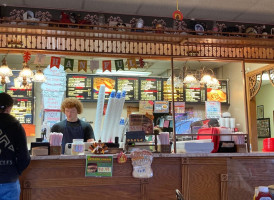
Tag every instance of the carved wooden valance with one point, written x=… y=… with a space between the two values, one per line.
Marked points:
x=254 y=79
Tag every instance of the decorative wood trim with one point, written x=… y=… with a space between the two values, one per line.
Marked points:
x=144 y=184
x=224 y=187
x=105 y=41
x=254 y=79
x=185 y=178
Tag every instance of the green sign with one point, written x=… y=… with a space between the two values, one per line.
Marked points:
x=99 y=165
x=1 y=88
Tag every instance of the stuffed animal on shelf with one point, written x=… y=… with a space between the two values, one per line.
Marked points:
x=65 y=18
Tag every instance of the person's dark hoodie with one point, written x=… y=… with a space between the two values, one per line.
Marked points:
x=14 y=155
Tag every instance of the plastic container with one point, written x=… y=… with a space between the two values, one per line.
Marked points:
x=268 y=144
x=78 y=147
x=263 y=193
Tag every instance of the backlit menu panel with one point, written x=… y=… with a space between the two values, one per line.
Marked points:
x=109 y=82
x=79 y=86
x=192 y=93
x=131 y=85
x=16 y=89
x=218 y=94
x=167 y=92
x=150 y=89
x=22 y=110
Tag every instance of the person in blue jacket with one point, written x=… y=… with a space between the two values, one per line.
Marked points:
x=14 y=155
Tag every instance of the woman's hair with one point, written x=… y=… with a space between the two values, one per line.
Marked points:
x=72 y=103
x=5 y=101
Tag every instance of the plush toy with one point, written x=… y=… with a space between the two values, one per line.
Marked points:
x=65 y=18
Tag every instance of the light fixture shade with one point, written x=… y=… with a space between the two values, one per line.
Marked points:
x=190 y=79
x=7 y=79
x=39 y=76
x=26 y=72
x=214 y=83
x=4 y=69
x=205 y=79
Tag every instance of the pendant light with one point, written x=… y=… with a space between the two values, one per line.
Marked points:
x=39 y=76
x=5 y=72
x=26 y=74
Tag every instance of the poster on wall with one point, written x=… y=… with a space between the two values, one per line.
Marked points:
x=52 y=116
x=213 y=109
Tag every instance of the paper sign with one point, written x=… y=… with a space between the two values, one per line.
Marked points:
x=213 y=109
x=99 y=166
x=29 y=129
x=161 y=107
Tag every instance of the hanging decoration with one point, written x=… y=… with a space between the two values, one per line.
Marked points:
x=131 y=63
x=94 y=64
x=39 y=59
x=141 y=62
x=26 y=74
x=68 y=64
x=106 y=65
x=55 y=62
x=82 y=65
x=119 y=64
x=26 y=56
x=177 y=15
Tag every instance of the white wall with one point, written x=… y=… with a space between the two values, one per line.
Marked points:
x=265 y=97
x=233 y=72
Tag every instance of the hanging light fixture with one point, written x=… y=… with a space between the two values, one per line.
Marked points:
x=26 y=74
x=5 y=71
x=39 y=76
x=208 y=78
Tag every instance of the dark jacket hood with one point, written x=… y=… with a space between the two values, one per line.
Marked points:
x=7 y=120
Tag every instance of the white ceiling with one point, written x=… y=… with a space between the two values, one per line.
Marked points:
x=250 y=11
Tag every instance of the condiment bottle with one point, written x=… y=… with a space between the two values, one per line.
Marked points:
x=263 y=193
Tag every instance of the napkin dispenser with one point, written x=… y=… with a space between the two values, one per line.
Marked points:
x=37 y=145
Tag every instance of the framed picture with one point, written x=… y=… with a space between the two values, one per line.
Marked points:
x=263 y=128
x=260 y=112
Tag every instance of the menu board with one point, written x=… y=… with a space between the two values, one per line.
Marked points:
x=131 y=85
x=109 y=82
x=218 y=94
x=22 y=110
x=79 y=86
x=16 y=89
x=150 y=89
x=192 y=94
x=167 y=92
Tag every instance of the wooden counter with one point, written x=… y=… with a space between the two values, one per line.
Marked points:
x=198 y=176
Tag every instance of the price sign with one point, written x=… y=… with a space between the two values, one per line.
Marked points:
x=151 y=89
x=99 y=165
x=79 y=86
x=131 y=85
